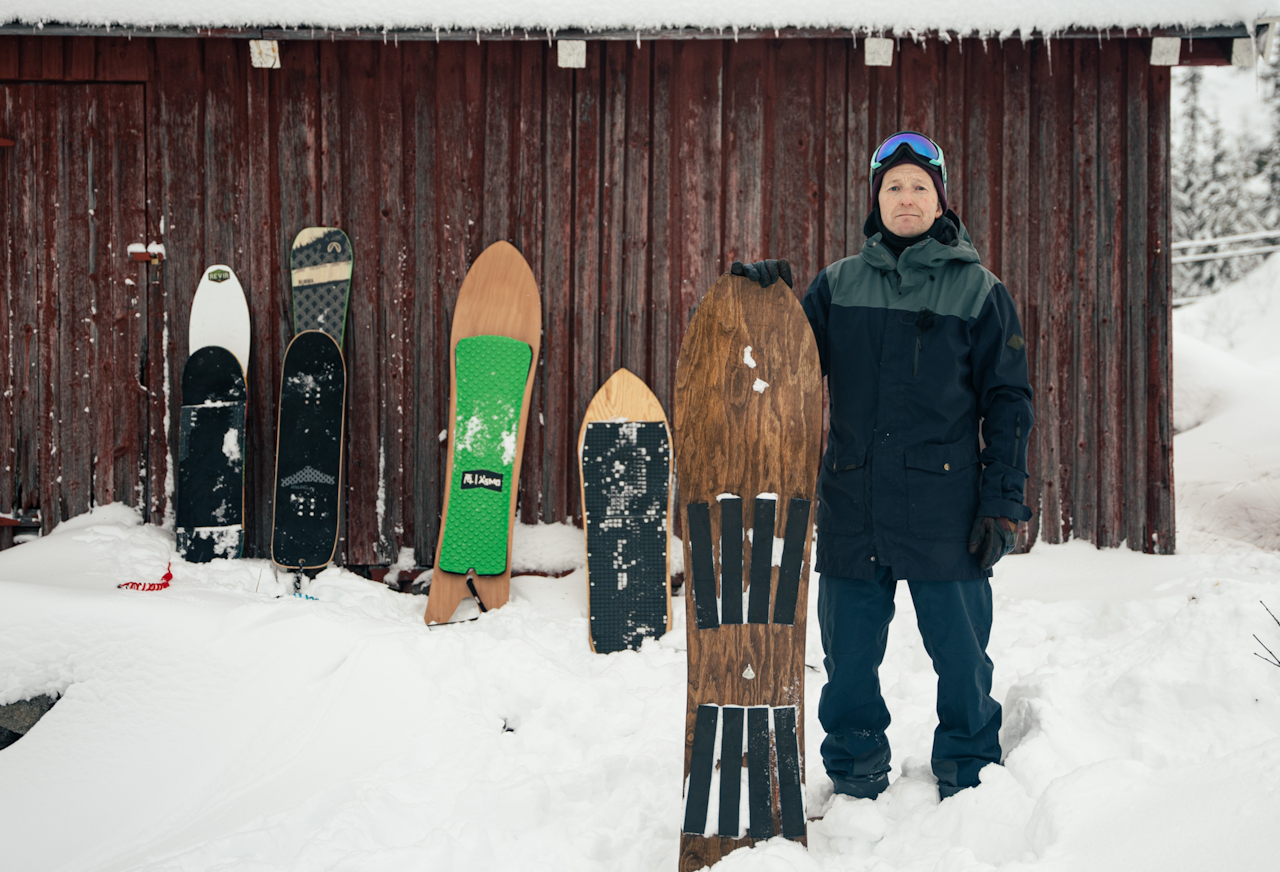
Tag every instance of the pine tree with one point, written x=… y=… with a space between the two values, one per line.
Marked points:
x=1212 y=196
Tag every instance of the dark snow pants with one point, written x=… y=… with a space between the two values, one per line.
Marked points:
x=955 y=621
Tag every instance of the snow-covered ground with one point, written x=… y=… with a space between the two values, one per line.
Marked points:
x=224 y=724
x=1226 y=366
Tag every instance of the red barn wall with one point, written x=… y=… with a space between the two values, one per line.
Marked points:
x=629 y=186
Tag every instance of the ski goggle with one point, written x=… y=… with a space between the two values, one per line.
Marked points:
x=923 y=147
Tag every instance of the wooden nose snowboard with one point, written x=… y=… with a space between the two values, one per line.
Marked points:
x=493 y=354
x=748 y=431
x=209 y=508
x=624 y=464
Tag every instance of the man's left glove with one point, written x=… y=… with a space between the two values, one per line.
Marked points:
x=763 y=272
x=992 y=538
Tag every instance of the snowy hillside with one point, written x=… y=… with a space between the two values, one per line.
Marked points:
x=1226 y=367
x=225 y=724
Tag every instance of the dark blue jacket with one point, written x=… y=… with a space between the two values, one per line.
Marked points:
x=922 y=353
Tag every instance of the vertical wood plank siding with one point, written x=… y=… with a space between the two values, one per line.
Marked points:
x=629 y=185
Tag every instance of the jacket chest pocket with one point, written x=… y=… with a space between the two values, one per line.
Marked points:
x=916 y=326
x=942 y=489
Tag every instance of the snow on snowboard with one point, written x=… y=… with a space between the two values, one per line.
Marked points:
x=493 y=353
x=313 y=388
x=624 y=462
x=209 y=504
x=748 y=429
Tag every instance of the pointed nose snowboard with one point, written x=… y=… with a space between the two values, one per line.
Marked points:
x=624 y=463
x=493 y=353
x=748 y=430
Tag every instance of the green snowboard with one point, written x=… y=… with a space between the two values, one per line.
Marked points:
x=491 y=376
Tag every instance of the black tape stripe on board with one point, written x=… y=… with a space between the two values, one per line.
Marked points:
x=759 y=779
x=761 y=560
x=731 y=770
x=784 y=607
x=704 y=567
x=789 y=793
x=701 y=762
x=731 y=560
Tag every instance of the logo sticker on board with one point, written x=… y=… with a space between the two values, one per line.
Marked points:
x=482 y=478
x=219 y=275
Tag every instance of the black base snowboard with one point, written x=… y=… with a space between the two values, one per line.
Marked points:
x=309 y=452
x=209 y=509
x=626 y=470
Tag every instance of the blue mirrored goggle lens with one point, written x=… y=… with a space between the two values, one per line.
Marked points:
x=921 y=145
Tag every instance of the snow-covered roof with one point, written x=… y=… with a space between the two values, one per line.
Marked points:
x=985 y=17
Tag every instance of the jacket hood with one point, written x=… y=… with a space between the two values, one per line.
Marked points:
x=923 y=255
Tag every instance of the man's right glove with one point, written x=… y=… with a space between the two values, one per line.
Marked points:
x=763 y=272
x=992 y=538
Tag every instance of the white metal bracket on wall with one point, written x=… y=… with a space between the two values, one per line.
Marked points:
x=571 y=54
x=264 y=54
x=879 y=51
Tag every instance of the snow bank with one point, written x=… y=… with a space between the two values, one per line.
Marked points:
x=223 y=723
x=1243 y=318
x=922 y=16
x=1226 y=410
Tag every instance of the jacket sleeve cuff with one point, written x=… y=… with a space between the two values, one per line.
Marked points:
x=1004 y=509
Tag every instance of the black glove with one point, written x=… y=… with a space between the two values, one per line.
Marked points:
x=763 y=272
x=991 y=539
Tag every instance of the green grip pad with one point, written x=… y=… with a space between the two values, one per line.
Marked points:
x=491 y=376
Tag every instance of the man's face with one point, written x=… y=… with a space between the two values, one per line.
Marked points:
x=908 y=200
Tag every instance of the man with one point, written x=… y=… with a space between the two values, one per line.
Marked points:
x=923 y=355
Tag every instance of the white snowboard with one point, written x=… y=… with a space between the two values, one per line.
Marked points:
x=220 y=314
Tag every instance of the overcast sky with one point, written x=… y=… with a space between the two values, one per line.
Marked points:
x=1233 y=93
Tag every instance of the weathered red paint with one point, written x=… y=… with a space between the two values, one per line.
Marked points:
x=629 y=186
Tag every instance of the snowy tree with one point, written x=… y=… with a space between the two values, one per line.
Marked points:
x=1213 y=193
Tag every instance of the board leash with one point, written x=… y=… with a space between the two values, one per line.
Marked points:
x=150 y=585
x=471 y=585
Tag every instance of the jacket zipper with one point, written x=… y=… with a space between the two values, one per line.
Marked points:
x=915 y=365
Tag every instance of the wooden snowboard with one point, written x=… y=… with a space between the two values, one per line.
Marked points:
x=624 y=466
x=748 y=431
x=497 y=320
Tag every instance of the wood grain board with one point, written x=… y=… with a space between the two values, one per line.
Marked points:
x=624 y=397
x=746 y=430
x=499 y=297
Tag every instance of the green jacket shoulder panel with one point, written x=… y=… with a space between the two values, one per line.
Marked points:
x=947 y=279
